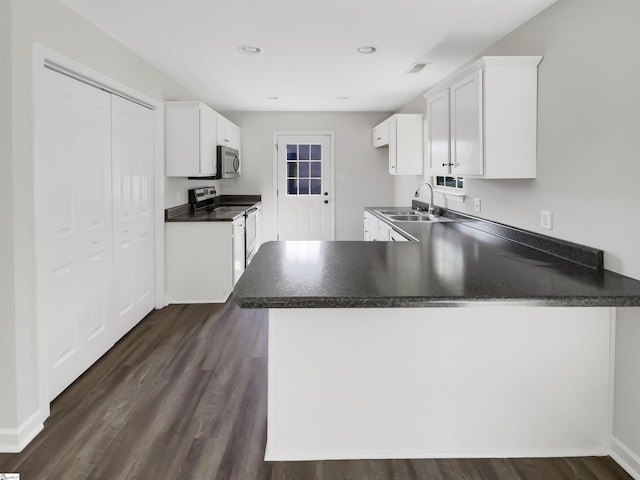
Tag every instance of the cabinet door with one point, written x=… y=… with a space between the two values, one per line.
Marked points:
x=384 y=232
x=392 y=132
x=397 y=237
x=208 y=126
x=381 y=134
x=467 y=151
x=182 y=132
x=370 y=227
x=235 y=136
x=438 y=133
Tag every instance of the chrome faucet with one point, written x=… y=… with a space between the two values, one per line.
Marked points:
x=417 y=194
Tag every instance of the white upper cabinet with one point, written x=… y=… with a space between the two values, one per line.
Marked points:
x=466 y=125
x=439 y=131
x=190 y=139
x=481 y=122
x=381 y=134
x=228 y=134
x=403 y=135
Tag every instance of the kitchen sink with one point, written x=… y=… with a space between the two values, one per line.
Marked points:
x=401 y=212
x=410 y=215
x=412 y=218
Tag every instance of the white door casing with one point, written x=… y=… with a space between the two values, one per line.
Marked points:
x=304 y=186
x=73 y=226
x=133 y=227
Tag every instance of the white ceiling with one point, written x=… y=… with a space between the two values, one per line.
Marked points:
x=309 y=46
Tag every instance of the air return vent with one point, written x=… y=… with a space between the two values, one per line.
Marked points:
x=417 y=67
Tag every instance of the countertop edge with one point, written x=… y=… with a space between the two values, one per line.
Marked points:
x=399 y=302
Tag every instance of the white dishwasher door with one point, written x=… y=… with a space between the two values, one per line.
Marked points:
x=238 y=249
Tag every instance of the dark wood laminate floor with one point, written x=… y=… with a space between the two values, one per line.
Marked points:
x=183 y=396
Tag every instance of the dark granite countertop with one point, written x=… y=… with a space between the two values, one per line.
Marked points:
x=225 y=208
x=453 y=264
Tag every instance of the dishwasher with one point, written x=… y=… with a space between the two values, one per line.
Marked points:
x=238 y=250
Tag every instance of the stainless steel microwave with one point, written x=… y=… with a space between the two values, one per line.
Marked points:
x=228 y=162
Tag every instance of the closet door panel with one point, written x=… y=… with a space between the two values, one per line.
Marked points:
x=134 y=272
x=73 y=225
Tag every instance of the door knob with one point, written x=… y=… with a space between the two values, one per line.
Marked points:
x=326 y=201
x=326 y=193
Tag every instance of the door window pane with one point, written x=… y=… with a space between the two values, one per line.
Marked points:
x=316 y=186
x=292 y=186
x=304 y=177
x=316 y=152
x=304 y=170
x=304 y=152
x=292 y=152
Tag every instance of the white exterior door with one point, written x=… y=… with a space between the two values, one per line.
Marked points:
x=133 y=255
x=305 y=199
x=73 y=226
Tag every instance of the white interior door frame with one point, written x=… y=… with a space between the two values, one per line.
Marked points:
x=332 y=181
x=46 y=58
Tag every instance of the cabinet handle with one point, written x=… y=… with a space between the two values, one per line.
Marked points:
x=447 y=164
x=326 y=201
x=378 y=138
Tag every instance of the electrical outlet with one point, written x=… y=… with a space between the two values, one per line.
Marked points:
x=477 y=206
x=546 y=219
x=178 y=196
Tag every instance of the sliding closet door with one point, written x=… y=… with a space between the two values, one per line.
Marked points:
x=134 y=273
x=73 y=225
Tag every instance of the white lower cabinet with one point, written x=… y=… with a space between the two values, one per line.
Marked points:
x=397 y=237
x=202 y=263
x=370 y=227
x=384 y=232
x=376 y=230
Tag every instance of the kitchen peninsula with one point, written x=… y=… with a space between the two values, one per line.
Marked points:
x=368 y=359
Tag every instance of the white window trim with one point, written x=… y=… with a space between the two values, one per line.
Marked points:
x=448 y=193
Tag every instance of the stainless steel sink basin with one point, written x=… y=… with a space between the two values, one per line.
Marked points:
x=401 y=212
x=412 y=218
x=410 y=215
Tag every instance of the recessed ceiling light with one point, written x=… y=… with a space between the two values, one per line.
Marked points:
x=367 y=49
x=273 y=98
x=343 y=98
x=249 y=49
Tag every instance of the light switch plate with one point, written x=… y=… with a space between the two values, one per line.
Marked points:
x=546 y=219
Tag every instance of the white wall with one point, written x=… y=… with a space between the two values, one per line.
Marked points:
x=7 y=328
x=588 y=163
x=364 y=169
x=52 y=25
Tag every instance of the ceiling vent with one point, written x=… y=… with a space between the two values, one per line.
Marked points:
x=417 y=67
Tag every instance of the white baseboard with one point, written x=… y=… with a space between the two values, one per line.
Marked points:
x=386 y=455
x=625 y=457
x=14 y=440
